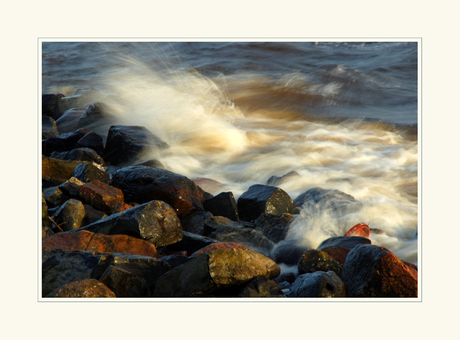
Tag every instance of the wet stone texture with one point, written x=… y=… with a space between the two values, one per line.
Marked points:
x=100 y=196
x=318 y=284
x=89 y=288
x=317 y=260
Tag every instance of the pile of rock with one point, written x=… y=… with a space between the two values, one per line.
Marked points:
x=144 y=231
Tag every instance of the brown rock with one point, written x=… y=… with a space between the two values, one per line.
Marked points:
x=56 y=171
x=361 y=229
x=219 y=245
x=89 y=288
x=121 y=207
x=100 y=196
x=317 y=260
x=338 y=253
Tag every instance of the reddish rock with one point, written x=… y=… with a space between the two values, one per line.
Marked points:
x=372 y=271
x=56 y=171
x=360 y=229
x=337 y=253
x=89 y=241
x=219 y=245
x=89 y=288
x=100 y=196
x=121 y=207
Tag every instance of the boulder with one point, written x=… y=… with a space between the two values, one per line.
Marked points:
x=63 y=142
x=121 y=207
x=372 y=271
x=79 y=154
x=92 y=141
x=360 y=229
x=127 y=143
x=218 y=245
x=274 y=227
x=211 y=272
x=50 y=105
x=49 y=127
x=88 y=173
x=337 y=253
x=348 y=242
x=155 y=222
x=54 y=197
x=100 y=196
x=68 y=122
x=223 y=204
x=56 y=171
x=88 y=241
x=318 y=284
x=189 y=244
x=261 y=287
x=92 y=215
x=317 y=260
x=70 y=187
x=89 y=288
x=263 y=199
x=197 y=222
x=142 y=184
x=70 y=215
x=288 y=251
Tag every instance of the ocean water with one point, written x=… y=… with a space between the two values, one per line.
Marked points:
x=342 y=115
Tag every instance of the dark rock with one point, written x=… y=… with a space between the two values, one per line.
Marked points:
x=337 y=253
x=50 y=105
x=274 y=227
x=372 y=271
x=175 y=260
x=288 y=252
x=70 y=187
x=261 y=287
x=63 y=142
x=49 y=127
x=95 y=113
x=92 y=141
x=223 y=204
x=88 y=173
x=79 y=154
x=56 y=171
x=197 y=222
x=155 y=222
x=143 y=184
x=121 y=207
x=127 y=143
x=190 y=243
x=263 y=199
x=68 y=122
x=54 y=197
x=278 y=180
x=318 y=284
x=220 y=269
x=70 y=215
x=100 y=196
x=317 y=260
x=89 y=288
x=348 y=242
x=153 y=163
x=336 y=202
x=92 y=215
x=46 y=229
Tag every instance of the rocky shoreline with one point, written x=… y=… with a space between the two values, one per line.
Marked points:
x=143 y=231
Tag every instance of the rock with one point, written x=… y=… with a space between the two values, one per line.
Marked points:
x=153 y=163
x=372 y=271
x=155 y=222
x=317 y=260
x=70 y=215
x=337 y=253
x=88 y=173
x=68 y=122
x=100 y=196
x=190 y=243
x=288 y=252
x=175 y=260
x=318 y=284
x=142 y=184
x=223 y=204
x=70 y=187
x=92 y=215
x=218 y=245
x=89 y=288
x=336 y=202
x=88 y=241
x=92 y=141
x=95 y=113
x=46 y=230
x=360 y=229
x=127 y=143
x=209 y=273
x=261 y=287
x=277 y=180
x=210 y=186
x=50 y=105
x=49 y=127
x=348 y=242
x=54 y=197
x=260 y=199
x=56 y=171
x=121 y=207
x=274 y=227
x=197 y=222
x=63 y=142
x=79 y=154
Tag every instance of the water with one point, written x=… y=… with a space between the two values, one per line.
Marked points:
x=342 y=115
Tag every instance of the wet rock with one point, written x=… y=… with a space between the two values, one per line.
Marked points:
x=348 y=242
x=261 y=287
x=121 y=207
x=190 y=243
x=49 y=127
x=210 y=272
x=336 y=202
x=127 y=143
x=360 y=229
x=92 y=141
x=88 y=241
x=50 y=105
x=96 y=112
x=175 y=260
x=70 y=187
x=288 y=252
x=100 y=196
x=70 y=215
x=63 y=142
x=79 y=154
x=318 y=284
x=372 y=271
x=155 y=222
x=260 y=199
x=197 y=222
x=274 y=227
x=317 y=260
x=92 y=215
x=46 y=229
x=88 y=173
x=278 y=180
x=223 y=204
x=56 y=171
x=68 y=122
x=153 y=163
x=219 y=245
x=54 y=197
x=209 y=185
x=89 y=288
x=337 y=253
x=143 y=184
